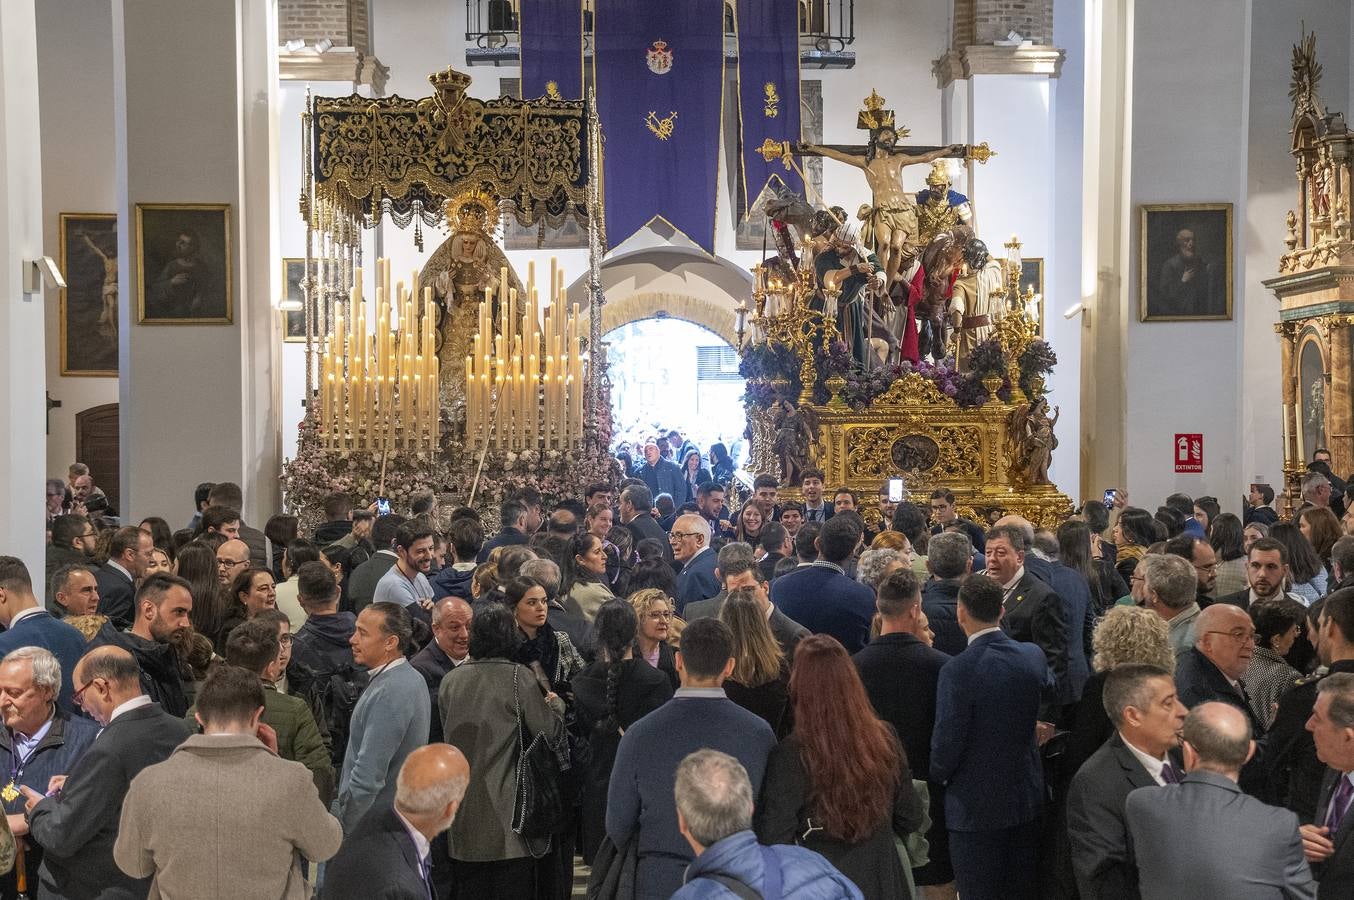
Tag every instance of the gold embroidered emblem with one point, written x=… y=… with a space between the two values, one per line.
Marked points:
x=662 y=128
x=659 y=58
x=771 y=105
x=552 y=91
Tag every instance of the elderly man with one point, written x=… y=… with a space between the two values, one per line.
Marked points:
x=1033 y=613
x=224 y=816
x=1211 y=670
x=690 y=540
x=77 y=825
x=1147 y=717
x=1203 y=837
x=39 y=741
x=1326 y=841
x=661 y=476
x=449 y=648
x=74 y=592
x=388 y=854
x=731 y=555
x=714 y=814
x=1169 y=587
x=162 y=606
x=129 y=553
x=232 y=558
x=1316 y=489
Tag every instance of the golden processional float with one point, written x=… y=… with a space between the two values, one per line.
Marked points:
x=973 y=416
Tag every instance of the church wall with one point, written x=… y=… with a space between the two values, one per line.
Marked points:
x=75 y=87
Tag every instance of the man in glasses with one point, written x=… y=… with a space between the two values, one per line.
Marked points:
x=73 y=541
x=232 y=558
x=77 y=822
x=690 y=541
x=1224 y=641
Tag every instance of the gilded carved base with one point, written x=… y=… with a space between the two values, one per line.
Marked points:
x=916 y=433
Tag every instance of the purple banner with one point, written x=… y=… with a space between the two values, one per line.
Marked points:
x=659 y=71
x=552 y=48
x=768 y=90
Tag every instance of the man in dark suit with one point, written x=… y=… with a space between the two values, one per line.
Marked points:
x=689 y=541
x=29 y=625
x=363 y=579
x=1329 y=841
x=636 y=508
x=1266 y=570
x=449 y=648
x=129 y=553
x=1147 y=717
x=73 y=541
x=776 y=544
x=228 y=494
x=1203 y=837
x=734 y=557
x=943 y=515
x=820 y=597
x=745 y=575
x=984 y=751
x=389 y=853
x=949 y=560
x=815 y=508
x=900 y=671
x=1289 y=771
x=78 y=824
x=1224 y=641
x=662 y=476
x=513 y=521
x=1033 y=612
x=1043 y=562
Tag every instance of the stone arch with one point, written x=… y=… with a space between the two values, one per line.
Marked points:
x=696 y=310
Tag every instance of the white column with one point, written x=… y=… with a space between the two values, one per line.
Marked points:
x=22 y=365
x=191 y=98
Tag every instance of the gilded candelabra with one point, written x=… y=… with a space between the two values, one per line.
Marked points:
x=1015 y=330
x=782 y=315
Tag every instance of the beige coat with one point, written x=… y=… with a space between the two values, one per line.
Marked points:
x=224 y=819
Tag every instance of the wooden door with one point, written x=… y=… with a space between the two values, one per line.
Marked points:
x=96 y=445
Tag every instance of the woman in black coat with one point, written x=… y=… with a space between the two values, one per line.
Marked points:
x=840 y=783
x=760 y=682
x=612 y=694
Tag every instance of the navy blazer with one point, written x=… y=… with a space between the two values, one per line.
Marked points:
x=1197 y=681
x=42 y=629
x=697 y=580
x=117 y=595
x=378 y=861
x=983 y=747
x=1034 y=614
x=826 y=602
x=1337 y=871
x=940 y=602
x=1075 y=592
x=508 y=537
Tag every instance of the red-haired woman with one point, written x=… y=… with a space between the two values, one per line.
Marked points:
x=839 y=784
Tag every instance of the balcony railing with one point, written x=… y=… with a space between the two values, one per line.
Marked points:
x=827 y=28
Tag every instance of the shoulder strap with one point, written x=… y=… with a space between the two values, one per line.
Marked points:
x=740 y=890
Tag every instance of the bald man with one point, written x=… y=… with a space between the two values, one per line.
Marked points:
x=1204 y=837
x=690 y=541
x=78 y=824
x=389 y=855
x=449 y=648
x=1224 y=641
x=232 y=558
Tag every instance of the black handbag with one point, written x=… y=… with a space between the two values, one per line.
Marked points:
x=540 y=807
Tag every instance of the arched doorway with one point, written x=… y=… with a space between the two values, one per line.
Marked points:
x=669 y=373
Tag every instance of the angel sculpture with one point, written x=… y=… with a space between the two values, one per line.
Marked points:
x=796 y=430
x=1031 y=440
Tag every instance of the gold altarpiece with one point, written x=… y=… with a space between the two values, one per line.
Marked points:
x=1315 y=285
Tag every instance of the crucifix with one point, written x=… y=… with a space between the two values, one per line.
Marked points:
x=890 y=222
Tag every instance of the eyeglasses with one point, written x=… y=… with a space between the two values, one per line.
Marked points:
x=660 y=615
x=1207 y=567
x=81 y=692
x=678 y=535
x=89 y=534
x=1241 y=636
x=230 y=563
x=285 y=640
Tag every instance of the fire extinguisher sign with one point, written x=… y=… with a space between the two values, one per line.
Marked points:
x=1189 y=454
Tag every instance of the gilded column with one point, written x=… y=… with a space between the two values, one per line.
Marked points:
x=1339 y=408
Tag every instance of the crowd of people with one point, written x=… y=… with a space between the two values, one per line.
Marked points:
x=823 y=697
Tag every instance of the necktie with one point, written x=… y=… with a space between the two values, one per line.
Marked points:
x=425 y=872
x=1339 y=804
x=1169 y=774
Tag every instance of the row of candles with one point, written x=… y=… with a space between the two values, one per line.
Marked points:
x=379 y=391
x=524 y=383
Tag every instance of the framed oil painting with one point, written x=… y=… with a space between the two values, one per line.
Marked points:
x=1185 y=261
x=89 y=302
x=294 y=320
x=183 y=264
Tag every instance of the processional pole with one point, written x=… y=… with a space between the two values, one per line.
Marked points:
x=596 y=249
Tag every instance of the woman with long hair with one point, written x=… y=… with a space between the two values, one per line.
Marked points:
x=582 y=579
x=721 y=463
x=653 y=610
x=1133 y=534
x=541 y=644
x=760 y=682
x=1319 y=525
x=1127 y=634
x=611 y=694
x=839 y=784
x=1206 y=509
x=161 y=535
x=693 y=473
x=748 y=524
x=196 y=564
x=1308 y=572
x=1225 y=537
x=623 y=539
x=280 y=530
x=1252 y=533
x=251 y=592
